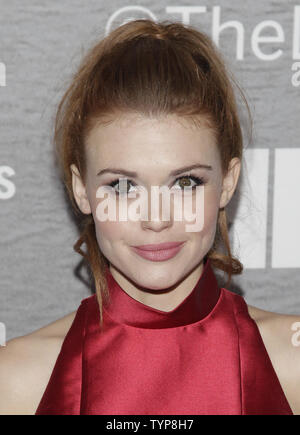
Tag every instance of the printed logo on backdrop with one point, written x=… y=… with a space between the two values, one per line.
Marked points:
x=7 y=187
x=258 y=38
x=2 y=334
x=2 y=74
x=249 y=229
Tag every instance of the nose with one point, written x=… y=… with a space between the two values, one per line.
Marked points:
x=155 y=225
x=158 y=217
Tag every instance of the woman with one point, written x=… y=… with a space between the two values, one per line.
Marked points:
x=152 y=104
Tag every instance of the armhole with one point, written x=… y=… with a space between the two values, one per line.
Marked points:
x=62 y=394
x=261 y=391
x=85 y=301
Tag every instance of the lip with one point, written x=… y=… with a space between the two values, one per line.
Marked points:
x=159 y=246
x=159 y=252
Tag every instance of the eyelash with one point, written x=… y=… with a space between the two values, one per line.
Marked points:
x=198 y=180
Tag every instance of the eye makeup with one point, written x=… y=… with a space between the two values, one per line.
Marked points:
x=197 y=180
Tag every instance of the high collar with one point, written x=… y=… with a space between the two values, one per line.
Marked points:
x=125 y=309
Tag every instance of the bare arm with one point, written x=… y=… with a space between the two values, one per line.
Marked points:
x=283 y=347
x=26 y=364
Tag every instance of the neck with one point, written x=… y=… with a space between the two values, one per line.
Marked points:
x=162 y=299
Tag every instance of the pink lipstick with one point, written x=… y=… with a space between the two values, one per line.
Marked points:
x=159 y=252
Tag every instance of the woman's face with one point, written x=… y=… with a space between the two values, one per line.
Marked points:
x=154 y=148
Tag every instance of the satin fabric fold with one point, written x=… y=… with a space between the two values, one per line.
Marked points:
x=146 y=361
x=63 y=392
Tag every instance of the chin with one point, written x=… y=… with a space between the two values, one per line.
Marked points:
x=157 y=282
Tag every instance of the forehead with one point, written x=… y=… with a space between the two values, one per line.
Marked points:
x=138 y=140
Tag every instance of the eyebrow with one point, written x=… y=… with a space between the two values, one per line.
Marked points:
x=135 y=174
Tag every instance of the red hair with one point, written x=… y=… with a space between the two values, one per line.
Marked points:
x=152 y=69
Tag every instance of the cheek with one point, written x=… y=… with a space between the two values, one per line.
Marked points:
x=111 y=229
x=208 y=204
x=108 y=233
x=210 y=216
x=112 y=235
x=211 y=211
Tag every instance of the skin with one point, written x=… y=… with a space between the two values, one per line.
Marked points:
x=180 y=145
x=128 y=142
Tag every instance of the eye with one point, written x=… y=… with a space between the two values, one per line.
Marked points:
x=185 y=182
x=125 y=183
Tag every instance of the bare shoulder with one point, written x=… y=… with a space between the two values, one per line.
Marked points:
x=26 y=364
x=276 y=327
x=281 y=337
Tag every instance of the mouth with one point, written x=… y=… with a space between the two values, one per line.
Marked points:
x=158 y=252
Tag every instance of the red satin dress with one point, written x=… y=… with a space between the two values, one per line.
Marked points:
x=206 y=356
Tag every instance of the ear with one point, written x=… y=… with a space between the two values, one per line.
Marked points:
x=79 y=191
x=230 y=181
